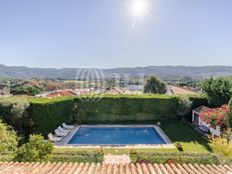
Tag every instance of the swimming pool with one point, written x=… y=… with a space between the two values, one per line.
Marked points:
x=116 y=135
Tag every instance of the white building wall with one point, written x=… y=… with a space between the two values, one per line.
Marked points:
x=213 y=131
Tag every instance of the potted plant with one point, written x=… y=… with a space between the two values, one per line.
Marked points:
x=179 y=147
x=133 y=156
x=99 y=155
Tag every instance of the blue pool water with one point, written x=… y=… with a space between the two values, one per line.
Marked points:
x=116 y=136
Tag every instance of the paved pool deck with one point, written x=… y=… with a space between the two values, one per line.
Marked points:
x=64 y=142
x=116 y=159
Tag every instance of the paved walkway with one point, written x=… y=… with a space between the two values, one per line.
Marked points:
x=116 y=159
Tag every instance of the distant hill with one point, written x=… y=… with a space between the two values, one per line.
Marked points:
x=164 y=72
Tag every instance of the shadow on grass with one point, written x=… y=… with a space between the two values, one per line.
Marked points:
x=179 y=131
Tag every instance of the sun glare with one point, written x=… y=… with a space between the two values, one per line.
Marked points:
x=138 y=8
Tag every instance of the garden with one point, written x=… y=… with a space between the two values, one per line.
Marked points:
x=30 y=119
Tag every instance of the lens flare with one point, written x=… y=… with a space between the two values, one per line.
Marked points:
x=139 y=8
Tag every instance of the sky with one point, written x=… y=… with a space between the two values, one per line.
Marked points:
x=104 y=34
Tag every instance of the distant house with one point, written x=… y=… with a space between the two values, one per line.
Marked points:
x=203 y=126
x=59 y=93
x=112 y=90
x=135 y=87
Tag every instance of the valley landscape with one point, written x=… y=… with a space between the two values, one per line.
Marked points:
x=116 y=87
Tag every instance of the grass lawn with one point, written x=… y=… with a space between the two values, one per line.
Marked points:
x=183 y=133
x=178 y=132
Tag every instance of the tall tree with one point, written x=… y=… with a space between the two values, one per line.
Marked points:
x=154 y=86
x=26 y=90
x=218 y=90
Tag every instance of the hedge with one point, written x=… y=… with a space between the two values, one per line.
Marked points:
x=44 y=115
x=178 y=157
x=47 y=114
x=197 y=101
x=126 y=109
x=65 y=155
x=72 y=155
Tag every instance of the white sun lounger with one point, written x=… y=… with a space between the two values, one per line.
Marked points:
x=60 y=134
x=67 y=126
x=63 y=130
x=53 y=138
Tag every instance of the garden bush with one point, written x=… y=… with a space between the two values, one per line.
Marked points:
x=126 y=109
x=179 y=157
x=73 y=155
x=35 y=150
x=8 y=142
x=222 y=146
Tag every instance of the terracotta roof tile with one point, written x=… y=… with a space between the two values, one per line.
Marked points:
x=201 y=109
x=181 y=90
x=93 y=168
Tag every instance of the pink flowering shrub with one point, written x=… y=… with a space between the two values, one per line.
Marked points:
x=216 y=116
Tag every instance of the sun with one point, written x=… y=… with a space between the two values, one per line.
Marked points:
x=138 y=8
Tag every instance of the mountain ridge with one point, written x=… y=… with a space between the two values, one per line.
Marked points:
x=160 y=71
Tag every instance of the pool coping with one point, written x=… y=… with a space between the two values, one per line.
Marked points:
x=65 y=140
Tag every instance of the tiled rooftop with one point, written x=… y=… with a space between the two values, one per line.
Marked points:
x=180 y=90
x=201 y=109
x=92 y=168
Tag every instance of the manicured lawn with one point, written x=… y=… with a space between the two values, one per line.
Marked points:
x=183 y=133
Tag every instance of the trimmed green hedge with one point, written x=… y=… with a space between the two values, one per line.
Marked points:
x=72 y=155
x=126 y=109
x=47 y=114
x=44 y=115
x=66 y=155
x=179 y=157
